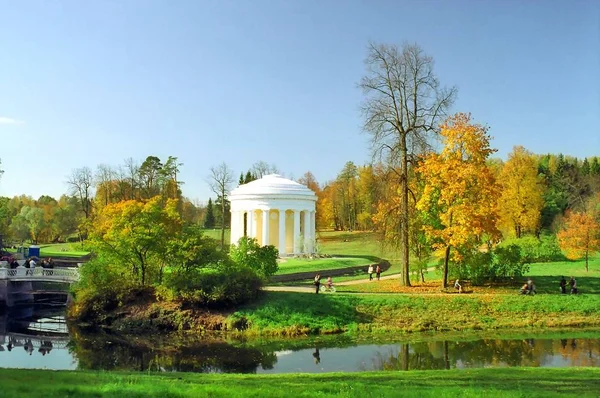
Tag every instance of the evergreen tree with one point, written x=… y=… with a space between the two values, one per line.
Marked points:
x=241 y=181
x=249 y=177
x=223 y=219
x=585 y=167
x=595 y=166
x=209 y=220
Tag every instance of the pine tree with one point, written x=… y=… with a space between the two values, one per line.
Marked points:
x=595 y=167
x=241 y=181
x=249 y=177
x=209 y=219
x=585 y=167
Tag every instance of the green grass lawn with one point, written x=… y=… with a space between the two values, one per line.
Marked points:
x=294 y=265
x=216 y=234
x=59 y=250
x=496 y=382
x=290 y=314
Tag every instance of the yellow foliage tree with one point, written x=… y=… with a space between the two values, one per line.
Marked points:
x=460 y=194
x=137 y=233
x=580 y=236
x=521 y=201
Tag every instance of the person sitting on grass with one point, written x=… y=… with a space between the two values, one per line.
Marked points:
x=528 y=288
x=458 y=286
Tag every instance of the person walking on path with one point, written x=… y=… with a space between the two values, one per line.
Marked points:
x=378 y=271
x=317 y=283
x=573 y=284
x=370 y=272
x=563 y=285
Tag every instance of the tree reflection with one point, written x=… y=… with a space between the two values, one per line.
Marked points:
x=104 y=353
x=488 y=353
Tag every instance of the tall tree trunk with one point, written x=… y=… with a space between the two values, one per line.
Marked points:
x=404 y=214
x=586 y=261
x=446 y=260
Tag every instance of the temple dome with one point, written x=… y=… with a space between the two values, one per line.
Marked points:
x=273 y=185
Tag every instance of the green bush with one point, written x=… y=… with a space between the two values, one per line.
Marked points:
x=214 y=287
x=508 y=262
x=262 y=259
x=477 y=267
x=534 y=250
x=502 y=262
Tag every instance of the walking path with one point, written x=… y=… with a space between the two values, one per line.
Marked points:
x=311 y=289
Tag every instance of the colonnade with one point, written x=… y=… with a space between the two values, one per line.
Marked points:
x=290 y=230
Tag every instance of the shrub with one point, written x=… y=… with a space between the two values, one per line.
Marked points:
x=535 y=250
x=508 y=262
x=477 y=267
x=262 y=259
x=214 y=287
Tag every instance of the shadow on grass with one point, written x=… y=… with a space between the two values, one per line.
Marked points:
x=551 y=284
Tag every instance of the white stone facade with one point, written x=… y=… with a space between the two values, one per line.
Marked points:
x=275 y=211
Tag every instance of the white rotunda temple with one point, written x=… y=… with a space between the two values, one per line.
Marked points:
x=275 y=211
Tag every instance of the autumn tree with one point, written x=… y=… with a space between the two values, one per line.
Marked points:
x=521 y=201
x=136 y=233
x=220 y=180
x=403 y=107
x=580 y=236
x=460 y=194
x=308 y=180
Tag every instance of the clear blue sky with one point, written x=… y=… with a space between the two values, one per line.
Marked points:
x=89 y=82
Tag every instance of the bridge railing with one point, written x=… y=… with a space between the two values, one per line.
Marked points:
x=42 y=274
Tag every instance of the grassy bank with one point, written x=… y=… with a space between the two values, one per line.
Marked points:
x=509 y=382
x=289 y=314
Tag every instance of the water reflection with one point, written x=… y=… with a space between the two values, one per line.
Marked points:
x=39 y=338
x=102 y=353
x=488 y=353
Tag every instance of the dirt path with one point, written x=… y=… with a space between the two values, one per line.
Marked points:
x=310 y=289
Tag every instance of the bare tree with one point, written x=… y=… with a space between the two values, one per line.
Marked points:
x=104 y=178
x=220 y=180
x=132 y=170
x=261 y=169
x=403 y=107
x=80 y=185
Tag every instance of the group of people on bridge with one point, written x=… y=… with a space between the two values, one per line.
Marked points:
x=31 y=263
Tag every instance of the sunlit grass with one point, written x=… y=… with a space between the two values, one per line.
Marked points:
x=497 y=382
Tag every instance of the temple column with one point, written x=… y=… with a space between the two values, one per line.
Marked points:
x=251 y=225
x=265 y=227
x=306 y=243
x=281 y=232
x=235 y=227
x=312 y=231
x=297 y=243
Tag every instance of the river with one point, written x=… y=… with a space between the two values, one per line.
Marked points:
x=39 y=337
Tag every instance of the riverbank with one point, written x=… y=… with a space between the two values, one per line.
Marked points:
x=290 y=314
x=507 y=382
x=293 y=314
